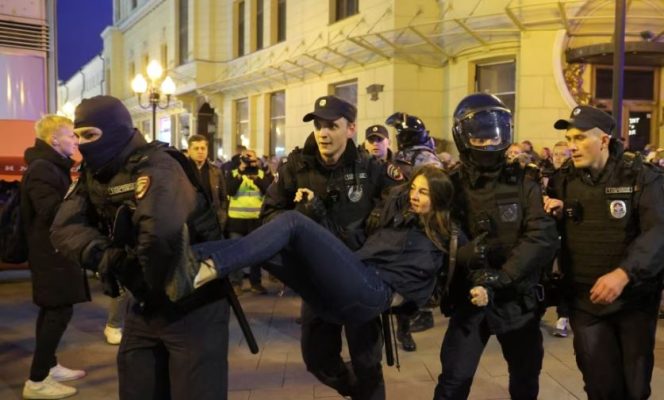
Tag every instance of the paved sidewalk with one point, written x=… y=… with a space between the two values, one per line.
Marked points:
x=277 y=372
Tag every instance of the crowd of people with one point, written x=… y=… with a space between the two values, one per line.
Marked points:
x=357 y=231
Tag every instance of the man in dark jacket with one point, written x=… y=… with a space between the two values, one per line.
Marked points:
x=212 y=178
x=57 y=283
x=345 y=185
x=612 y=209
x=512 y=239
x=132 y=216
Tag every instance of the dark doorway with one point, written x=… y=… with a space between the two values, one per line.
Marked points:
x=207 y=126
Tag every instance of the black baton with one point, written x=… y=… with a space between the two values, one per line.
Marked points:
x=239 y=315
x=387 y=336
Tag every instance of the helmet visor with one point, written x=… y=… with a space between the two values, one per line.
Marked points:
x=487 y=130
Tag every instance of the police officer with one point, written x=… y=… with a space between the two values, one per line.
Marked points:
x=512 y=238
x=416 y=147
x=611 y=205
x=377 y=142
x=346 y=184
x=131 y=216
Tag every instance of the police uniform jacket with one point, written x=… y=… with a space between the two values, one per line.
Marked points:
x=521 y=240
x=162 y=201
x=56 y=281
x=615 y=219
x=411 y=157
x=345 y=193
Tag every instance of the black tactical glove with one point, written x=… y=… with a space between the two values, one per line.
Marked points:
x=107 y=268
x=489 y=278
x=473 y=255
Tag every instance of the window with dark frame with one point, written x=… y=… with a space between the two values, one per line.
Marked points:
x=281 y=21
x=183 y=32
x=242 y=122
x=345 y=9
x=346 y=91
x=259 y=24
x=498 y=78
x=278 y=124
x=240 y=28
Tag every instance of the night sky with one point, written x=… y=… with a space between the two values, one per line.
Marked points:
x=80 y=23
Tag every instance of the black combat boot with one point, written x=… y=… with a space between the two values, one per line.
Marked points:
x=422 y=321
x=403 y=333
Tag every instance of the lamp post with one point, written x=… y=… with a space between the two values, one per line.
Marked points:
x=155 y=91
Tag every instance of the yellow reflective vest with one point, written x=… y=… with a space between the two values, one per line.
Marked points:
x=247 y=202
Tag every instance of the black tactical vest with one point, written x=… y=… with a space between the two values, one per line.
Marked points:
x=494 y=206
x=600 y=220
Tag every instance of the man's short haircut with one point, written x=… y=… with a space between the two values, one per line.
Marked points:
x=49 y=123
x=197 y=138
x=562 y=143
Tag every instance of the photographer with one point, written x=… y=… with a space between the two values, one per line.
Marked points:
x=246 y=187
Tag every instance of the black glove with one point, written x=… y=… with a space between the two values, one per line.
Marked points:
x=110 y=262
x=489 y=278
x=473 y=255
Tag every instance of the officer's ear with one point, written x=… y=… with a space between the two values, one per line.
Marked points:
x=351 y=129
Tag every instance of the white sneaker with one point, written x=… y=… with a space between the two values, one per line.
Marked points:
x=64 y=374
x=562 y=328
x=47 y=389
x=113 y=335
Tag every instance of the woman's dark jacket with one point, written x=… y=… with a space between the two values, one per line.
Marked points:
x=56 y=281
x=402 y=253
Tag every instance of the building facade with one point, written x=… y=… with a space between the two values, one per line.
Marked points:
x=246 y=71
x=28 y=72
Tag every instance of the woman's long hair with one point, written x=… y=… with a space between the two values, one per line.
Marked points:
x=437 y=225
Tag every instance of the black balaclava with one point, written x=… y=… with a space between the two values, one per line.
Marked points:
x=110 y=116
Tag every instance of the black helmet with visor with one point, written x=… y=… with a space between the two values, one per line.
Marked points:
x=482 y=129
x=410 y=130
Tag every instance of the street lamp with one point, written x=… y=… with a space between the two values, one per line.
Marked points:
x=155 y=91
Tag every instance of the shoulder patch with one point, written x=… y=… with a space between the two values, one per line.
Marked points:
x=142 y=186
x=395 y=173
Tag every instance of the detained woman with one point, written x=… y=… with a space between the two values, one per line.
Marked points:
x=398 y=263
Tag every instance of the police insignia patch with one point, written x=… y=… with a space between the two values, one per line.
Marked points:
x=355 y=193
x=618 y=209
x=142 y=186
x=394 y=172
x=508 y=212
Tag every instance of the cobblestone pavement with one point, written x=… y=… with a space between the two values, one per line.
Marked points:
x=277 y=372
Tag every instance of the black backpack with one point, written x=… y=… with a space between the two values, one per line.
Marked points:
x=13 y=243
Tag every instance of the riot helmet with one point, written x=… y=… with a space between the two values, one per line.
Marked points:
x=410 y=130
x=482 y=130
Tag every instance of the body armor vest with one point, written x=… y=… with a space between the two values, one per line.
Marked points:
x=601 y=220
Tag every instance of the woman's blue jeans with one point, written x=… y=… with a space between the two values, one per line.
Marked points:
x=321 y=268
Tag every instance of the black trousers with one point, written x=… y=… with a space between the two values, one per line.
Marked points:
x=464 y=342
x=51 y=325
x=615 y=352
x=321 y=351
x=181 y=359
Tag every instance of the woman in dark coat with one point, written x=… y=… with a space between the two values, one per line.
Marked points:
x=57 y=283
